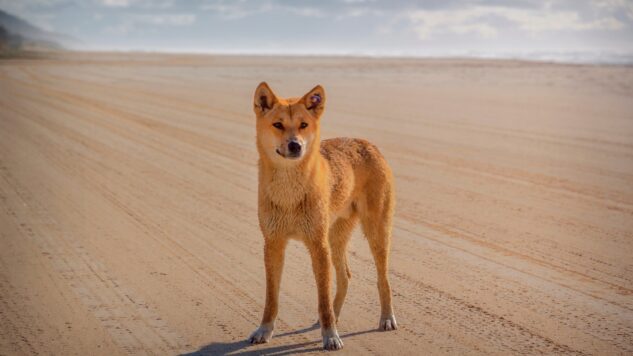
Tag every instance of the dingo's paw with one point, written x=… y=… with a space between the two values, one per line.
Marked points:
x=261 y=335
x=388 y=323
x=331 y=340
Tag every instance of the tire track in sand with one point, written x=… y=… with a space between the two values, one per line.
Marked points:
x=115 y=306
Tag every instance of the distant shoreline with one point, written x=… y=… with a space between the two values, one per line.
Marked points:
x=51 y=54
x=565 y=57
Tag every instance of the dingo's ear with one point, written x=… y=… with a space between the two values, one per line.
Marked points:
x=264 y=99
x=315 y=100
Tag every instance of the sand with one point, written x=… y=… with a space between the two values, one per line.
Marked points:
x=128 y=205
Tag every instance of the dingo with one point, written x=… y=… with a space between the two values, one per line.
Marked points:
x=316 y=192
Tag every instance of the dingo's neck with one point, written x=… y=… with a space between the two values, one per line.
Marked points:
x=287 y=185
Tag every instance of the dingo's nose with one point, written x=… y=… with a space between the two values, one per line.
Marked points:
x=294 y=147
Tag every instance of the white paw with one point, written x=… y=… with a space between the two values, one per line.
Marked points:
x=331 y=340
x=388 y=323
x=261 y=335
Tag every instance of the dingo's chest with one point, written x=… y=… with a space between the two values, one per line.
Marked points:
x=285 y=220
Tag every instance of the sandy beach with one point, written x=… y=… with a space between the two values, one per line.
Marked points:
x=128 y=215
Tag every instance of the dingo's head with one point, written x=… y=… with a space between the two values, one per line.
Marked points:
x=288 y=129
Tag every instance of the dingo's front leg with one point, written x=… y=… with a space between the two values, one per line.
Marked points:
x=274 y=249
x=320 y=254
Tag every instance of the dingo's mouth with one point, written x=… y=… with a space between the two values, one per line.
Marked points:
x=287 y=157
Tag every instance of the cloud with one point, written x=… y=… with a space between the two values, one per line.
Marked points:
x=304 y=11
x=360 y=12
x=35 y=4
x=432 y=22
x=480 y=20
x=239 y=9
x=141 y=4
x=540 y=21
x=165 y=20
x=622 y=6
x=116 y=3
x=355 y=1
x=234 y=10
x=133 y=22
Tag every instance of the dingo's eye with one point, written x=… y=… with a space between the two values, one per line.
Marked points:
x=303 y=125
x=278 y=125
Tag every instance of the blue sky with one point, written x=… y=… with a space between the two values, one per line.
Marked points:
x=449 y=27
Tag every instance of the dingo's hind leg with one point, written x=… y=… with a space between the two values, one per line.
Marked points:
x=376 y=219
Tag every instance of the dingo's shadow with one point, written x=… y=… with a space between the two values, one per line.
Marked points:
x=241 y=347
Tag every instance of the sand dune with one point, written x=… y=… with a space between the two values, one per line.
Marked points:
x=128 y=216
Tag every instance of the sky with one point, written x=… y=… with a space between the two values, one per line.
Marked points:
x=357 y=27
